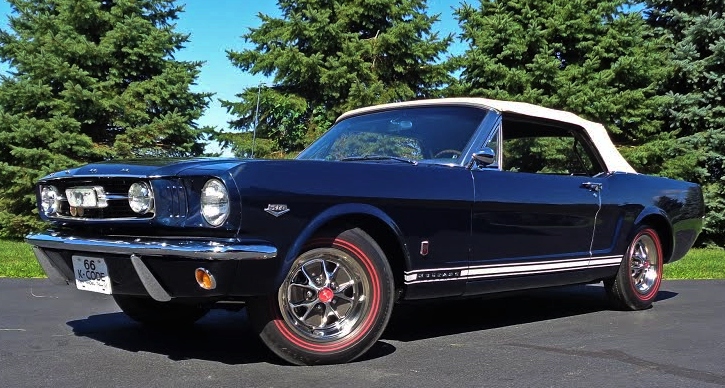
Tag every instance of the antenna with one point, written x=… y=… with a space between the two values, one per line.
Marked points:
x=256 y=119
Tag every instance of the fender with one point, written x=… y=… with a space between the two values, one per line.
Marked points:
x=333 y=213
x=668 y=241
x=651 y=210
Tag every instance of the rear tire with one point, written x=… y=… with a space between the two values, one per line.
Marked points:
x=638 y=280
x=334 y=303
x=159 y=314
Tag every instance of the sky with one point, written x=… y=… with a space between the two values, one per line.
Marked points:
x=217 y=25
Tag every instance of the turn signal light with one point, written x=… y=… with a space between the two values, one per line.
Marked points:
x=205 y=279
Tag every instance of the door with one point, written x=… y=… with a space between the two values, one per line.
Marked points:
x=534 y=213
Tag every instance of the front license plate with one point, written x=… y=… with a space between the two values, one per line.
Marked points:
x=91 y=274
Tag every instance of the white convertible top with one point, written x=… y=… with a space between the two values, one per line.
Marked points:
x=597 y=133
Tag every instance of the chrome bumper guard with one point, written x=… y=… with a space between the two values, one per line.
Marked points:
x=136 y=248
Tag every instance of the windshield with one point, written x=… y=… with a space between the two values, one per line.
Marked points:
x=436 y=134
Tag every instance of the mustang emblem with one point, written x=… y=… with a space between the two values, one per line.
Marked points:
x=276 y=209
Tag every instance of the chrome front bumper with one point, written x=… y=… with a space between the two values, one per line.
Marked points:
x=137 y=248
x=192 y=249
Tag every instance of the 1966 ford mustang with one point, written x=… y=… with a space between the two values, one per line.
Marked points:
x=398 y=202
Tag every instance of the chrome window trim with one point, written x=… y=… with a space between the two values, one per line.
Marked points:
x=481 y=136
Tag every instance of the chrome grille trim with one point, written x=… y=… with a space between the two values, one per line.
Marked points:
x=116 y=189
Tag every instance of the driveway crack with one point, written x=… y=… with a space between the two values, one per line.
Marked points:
x=618 y=355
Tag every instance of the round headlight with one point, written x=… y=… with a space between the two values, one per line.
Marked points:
x=214 y=202
x=140 y=198
x=49 y=199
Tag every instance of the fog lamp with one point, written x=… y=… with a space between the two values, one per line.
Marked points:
x=49 y=198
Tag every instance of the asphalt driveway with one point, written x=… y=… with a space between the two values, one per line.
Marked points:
x=55 y=336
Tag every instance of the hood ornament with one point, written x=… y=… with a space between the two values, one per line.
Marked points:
x=276 y=209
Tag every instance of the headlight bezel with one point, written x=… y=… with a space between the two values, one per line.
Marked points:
x=214 y=202
x=141 y=198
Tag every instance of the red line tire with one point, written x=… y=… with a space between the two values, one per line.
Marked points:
x=638 y=280
x=333 y=304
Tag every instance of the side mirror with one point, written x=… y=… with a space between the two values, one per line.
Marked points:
x=485 y=157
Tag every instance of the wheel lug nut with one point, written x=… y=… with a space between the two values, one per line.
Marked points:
x=308 y=294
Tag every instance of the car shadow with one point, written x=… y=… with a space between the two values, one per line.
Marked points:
x=417 y=321
x=221 y=336
x=227 y=337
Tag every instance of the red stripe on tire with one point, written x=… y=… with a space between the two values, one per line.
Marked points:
x=362 y=330
x=655 y=287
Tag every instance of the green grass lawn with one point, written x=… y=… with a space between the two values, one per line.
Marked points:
x=18 y=261
x=701 y=263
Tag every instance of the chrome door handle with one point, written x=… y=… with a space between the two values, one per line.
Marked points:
x=592 y=186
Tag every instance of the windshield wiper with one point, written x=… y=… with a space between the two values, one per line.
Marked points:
x=378 y=157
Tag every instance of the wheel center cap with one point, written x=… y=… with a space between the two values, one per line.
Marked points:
x=325 y=295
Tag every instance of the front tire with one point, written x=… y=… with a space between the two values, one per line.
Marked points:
x=637 y=283
x=333 y=304
x=159 y=314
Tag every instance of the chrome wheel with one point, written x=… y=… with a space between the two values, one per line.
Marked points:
x=323 y=297
x=334 y=301
x=644 y=264
x=637 y=282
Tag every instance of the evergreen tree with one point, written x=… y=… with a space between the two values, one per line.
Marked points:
x=326 y=57
x=589 y=57
x=90 y=80
x=695 y=32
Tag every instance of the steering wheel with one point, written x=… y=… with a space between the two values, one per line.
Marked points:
x=454 y=154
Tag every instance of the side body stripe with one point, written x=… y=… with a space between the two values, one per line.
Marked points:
x=507 y=270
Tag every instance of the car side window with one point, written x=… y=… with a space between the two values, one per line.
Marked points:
x=541 y=149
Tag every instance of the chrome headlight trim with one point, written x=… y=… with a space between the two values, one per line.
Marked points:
x=214 y=202
x=49 y=200
x=141 y=198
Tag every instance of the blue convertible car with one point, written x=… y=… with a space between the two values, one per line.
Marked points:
x=399 y=202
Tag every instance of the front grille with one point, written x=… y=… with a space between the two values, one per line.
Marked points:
x=116 y=190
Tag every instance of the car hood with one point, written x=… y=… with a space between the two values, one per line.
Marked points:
x=191 y=166
x=144 y=167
